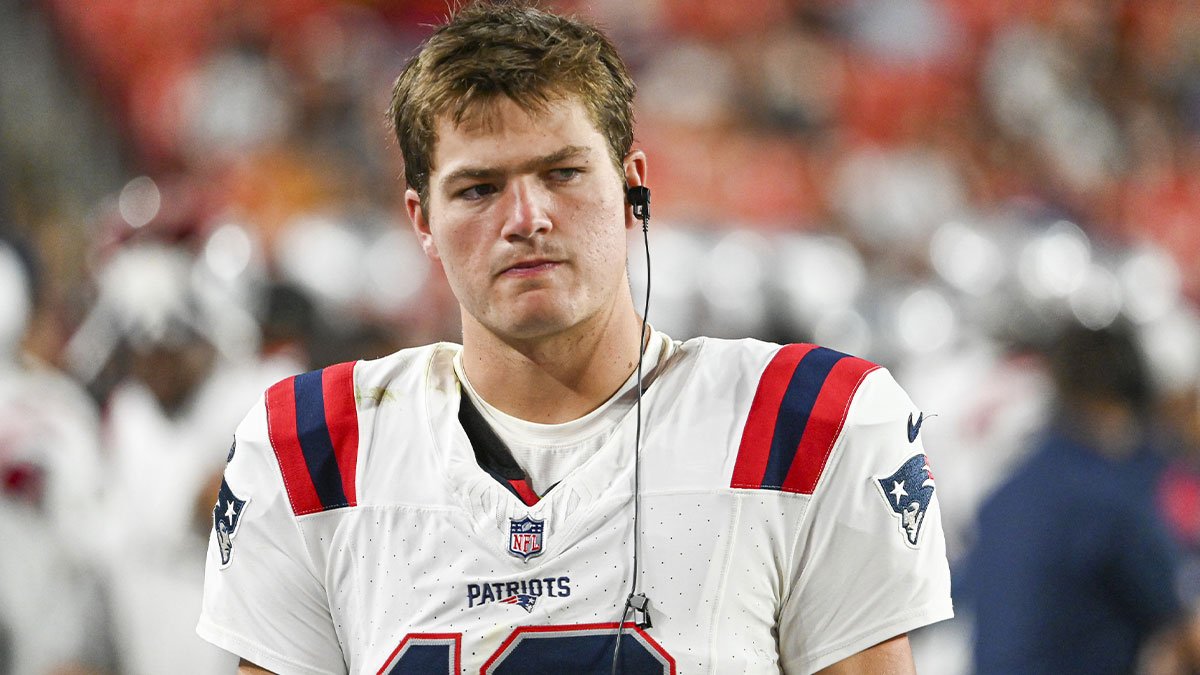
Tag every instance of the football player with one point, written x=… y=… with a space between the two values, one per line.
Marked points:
x=534 y=501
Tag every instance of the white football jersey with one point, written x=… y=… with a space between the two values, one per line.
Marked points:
x=788 y=520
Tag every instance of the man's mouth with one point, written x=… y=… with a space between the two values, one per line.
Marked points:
x=526 y=268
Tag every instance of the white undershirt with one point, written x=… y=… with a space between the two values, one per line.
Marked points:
x=548 y=452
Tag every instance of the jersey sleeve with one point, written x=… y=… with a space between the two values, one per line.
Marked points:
x=264 y=599
x=870 y=557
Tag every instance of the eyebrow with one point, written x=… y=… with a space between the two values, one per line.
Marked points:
x=534 y=164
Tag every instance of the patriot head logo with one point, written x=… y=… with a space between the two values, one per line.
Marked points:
x=525 y=537
x=523 y=601
x=227 y=517
x=908 y=493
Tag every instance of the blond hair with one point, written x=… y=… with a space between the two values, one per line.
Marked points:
x=530 y=56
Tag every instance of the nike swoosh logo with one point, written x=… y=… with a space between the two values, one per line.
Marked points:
x=914 y=429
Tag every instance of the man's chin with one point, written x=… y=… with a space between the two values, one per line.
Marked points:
x=535 y=328
x=534 y=324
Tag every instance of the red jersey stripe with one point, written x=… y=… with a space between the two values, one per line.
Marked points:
x=341 y=418
x=755 y=448
x=825 y=423
x=523 y=491
x=281 y=429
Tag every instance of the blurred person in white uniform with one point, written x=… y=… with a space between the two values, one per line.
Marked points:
x=51 y=609
x=177 y=391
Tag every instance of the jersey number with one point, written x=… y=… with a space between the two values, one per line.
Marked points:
x=579 y=650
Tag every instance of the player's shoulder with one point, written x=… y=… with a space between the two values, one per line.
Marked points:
x=404 y=372
x=731 y=355
x=791 y=374
x=801 y=406
x=359 y=385
x=311 y=429
x=759 y=415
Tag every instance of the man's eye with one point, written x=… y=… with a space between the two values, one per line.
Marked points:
x=564 y=174
x=477 y=191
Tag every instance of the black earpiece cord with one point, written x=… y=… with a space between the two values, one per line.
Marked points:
x=637 y=602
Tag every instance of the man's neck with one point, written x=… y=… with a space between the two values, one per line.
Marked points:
x=556 y=378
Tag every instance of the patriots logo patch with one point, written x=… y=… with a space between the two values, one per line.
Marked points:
x=525 y=537
x=227 y=518
x=525 y=602
x=908 y=493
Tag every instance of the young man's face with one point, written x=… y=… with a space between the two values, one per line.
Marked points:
x=527 y=215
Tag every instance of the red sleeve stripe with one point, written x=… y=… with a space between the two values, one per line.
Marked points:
x=281 y=427
x=825 y=424
x=313 y=425
x=341 y=415
x=795 y=418
x=755 y=450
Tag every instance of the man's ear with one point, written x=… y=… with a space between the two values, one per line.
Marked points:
x=420 y=224
x=635 y=174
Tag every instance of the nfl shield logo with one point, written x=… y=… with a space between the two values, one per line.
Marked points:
x=525 y=537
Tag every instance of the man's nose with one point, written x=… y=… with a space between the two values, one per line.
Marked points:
x=528 y=211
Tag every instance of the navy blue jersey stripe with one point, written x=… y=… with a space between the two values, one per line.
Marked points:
x=313 y=433
x=503 y=481
x=794 y=411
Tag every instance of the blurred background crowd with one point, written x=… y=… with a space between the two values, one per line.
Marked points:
x=200 y=197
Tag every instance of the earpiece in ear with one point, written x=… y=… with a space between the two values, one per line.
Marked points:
x=639 y=198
